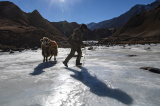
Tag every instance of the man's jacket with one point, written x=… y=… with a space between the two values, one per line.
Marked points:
x=75 y=39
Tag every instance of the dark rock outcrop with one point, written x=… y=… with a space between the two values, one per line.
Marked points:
x=151 y=69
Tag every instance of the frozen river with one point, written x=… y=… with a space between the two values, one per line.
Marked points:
x=110 y=76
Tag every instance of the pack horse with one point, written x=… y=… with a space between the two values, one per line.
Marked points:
x=49 y=49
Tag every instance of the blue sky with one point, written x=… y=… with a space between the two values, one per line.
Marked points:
x=80 y=11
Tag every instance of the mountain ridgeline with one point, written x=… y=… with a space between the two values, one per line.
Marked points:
x=142 y=28
x=122 y=19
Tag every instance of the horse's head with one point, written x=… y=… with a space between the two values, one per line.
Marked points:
x=45 y=41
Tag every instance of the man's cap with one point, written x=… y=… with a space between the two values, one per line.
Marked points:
x=83 y=26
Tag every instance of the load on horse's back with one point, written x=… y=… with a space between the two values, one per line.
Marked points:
x=53 y=44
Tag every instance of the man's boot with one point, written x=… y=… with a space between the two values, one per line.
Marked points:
x=65 y=63
x=78 y=64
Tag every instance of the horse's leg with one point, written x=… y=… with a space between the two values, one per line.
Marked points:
x=50 y=57
x=54 y=58
x=46 y=59
x=43 y=58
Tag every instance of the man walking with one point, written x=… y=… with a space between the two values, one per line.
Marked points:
x=75 y=41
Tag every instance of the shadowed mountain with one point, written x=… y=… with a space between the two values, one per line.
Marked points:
x=65 y=27
x=122 y=19
x=38 y=21
x=103 y=32
x=10 y=11
x=18 y=28
x=90 y=25
x=141 y=28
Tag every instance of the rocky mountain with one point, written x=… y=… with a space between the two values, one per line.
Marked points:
x=19 y=29
x=141 y=28
x=103 y=33
x=65 y=27
x=90 y=25
x=122 y=19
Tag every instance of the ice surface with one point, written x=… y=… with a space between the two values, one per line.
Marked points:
x=109 y=77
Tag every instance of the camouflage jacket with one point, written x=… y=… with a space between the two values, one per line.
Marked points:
x=75 y=39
